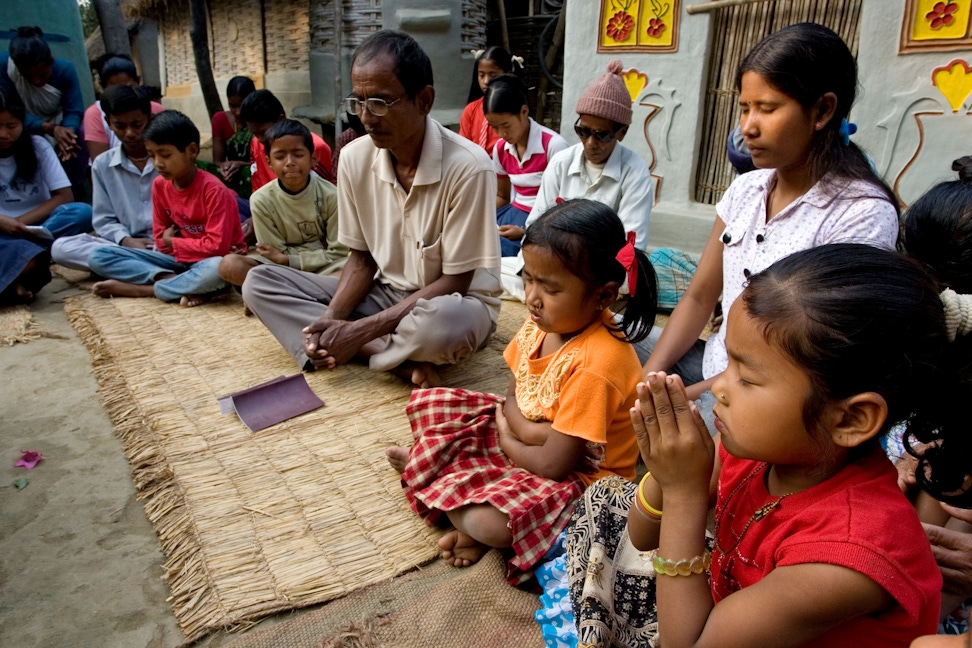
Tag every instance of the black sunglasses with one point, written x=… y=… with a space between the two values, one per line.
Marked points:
x=602 y=136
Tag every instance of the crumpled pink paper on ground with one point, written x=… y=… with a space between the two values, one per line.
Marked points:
x=29 y=459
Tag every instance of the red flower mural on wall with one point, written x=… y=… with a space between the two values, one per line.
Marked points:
x=941 y=14
x=655 y=27
x=620 y=26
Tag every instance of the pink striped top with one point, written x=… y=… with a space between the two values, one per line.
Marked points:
x=525 y=174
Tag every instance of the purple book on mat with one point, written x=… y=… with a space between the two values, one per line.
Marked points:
x=271 y=402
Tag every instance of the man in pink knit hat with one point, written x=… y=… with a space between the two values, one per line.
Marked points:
x=598 y=168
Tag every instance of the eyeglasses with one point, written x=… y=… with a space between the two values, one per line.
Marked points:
x=602 y=136
x=377 y=107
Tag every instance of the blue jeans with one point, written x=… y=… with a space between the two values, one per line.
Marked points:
x=244 y=206
x=68 y=220
x=510 y=215
x=141 y=267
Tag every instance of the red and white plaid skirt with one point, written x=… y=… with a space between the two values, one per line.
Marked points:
x=456 y=461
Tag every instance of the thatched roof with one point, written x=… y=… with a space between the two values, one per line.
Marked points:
x=94 y=45
x=142 y=8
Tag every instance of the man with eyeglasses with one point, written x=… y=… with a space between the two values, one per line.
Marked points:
x=417 y=209
x=598 y=168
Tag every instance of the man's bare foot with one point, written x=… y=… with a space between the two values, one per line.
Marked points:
x=461 y=550
x=189 y=301
x=114 y=288
x=397 y=457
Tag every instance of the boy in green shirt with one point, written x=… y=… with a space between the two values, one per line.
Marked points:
x=295 y=217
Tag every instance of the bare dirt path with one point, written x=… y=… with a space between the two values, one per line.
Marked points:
x=79 y=563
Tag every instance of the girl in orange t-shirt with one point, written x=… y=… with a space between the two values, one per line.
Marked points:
x=507 y=472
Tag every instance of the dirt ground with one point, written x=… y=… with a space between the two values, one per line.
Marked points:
x=79 y=563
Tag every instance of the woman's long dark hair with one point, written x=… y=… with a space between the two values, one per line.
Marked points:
x=240 y=86
x=505 y=94
x=28 y=48
x=23 y=149
x=938 y=229
x=586 y=236
x=805 y=61
x=111 y=64
x=938 y=234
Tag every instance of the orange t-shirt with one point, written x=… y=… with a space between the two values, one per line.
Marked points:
x=474 y=127
x=585 y=390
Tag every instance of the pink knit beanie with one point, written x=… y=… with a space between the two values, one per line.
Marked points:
x=607 y=97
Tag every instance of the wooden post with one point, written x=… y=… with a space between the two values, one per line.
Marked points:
x=718 y=4
x=504 y=30
x=198 y=35
x=338 y=68
x=113 y=30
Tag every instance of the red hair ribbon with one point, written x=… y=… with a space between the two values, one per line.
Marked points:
x=558 y=200
x=626 y=257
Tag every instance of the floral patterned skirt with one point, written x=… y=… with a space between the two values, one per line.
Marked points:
x=612 y=584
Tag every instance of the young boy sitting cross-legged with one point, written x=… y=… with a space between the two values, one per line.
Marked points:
x=195 y=222
x=295 y=216
x=121 y=182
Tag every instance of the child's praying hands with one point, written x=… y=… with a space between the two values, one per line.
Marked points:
x=674 y=442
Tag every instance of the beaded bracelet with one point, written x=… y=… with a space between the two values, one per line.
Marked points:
x=645 y=507
x=684 y=567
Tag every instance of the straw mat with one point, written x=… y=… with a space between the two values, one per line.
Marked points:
x=437 y=605
x=17 y=325
x=257 y=523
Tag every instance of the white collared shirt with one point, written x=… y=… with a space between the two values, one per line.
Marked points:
x=830 y=212
x=624 y=185
x=121 y=196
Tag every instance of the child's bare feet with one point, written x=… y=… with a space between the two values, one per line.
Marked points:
x=420 y=374
x=189 y=301
x=397 y=457
x=461 y=550
x=23 y=295
x=114 y=288
x=424 y=375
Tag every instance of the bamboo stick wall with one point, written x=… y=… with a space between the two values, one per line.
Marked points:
x=737 y=30
x=246 y=37
x=236 y=37
x=174 y=26
x=287 y=25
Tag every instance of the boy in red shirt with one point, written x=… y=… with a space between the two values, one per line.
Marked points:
x=261 y=110
x=195 y=222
